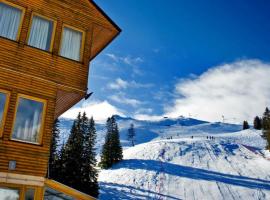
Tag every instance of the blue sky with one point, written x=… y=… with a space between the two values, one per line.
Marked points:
x=169 y=47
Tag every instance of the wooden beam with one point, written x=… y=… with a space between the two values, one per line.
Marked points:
x=67 y=190
x=21 y=179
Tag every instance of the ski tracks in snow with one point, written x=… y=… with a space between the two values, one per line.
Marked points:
x=189 y=169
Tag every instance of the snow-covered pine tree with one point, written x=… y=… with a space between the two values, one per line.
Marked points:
x=245 y=125
x=112 y=150
x=131 y=134
x=89 y=173
x=266 y=122
x=60 y=165
x=106 y=156
x=53 y=167
x=266 y=127
x=257 y=123
x=72 y=162
x=117 y=151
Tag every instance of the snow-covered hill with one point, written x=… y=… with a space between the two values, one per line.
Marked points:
x=186 y=168
x=154 y=130
x=168 y=163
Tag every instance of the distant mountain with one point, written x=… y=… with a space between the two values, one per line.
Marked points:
x=147 y=130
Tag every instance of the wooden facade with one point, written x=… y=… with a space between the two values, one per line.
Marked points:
x=58 y=81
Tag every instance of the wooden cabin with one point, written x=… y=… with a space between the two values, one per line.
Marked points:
x=45 y=50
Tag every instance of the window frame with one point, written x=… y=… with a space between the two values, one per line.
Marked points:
x=23 y=188
x=41 y=131
x=53 y=31
x=3 y=121
x=82 y=42
x=21 y=20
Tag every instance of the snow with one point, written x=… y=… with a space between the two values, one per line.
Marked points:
x=232 y=166
x=167 y=163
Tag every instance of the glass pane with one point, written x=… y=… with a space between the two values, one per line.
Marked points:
x=10 y=19
x=28 y=120
x=51 y=194
x=30 y=194
x=41 y=33
x=3 y=98
x=71 y=44
x=9 y=194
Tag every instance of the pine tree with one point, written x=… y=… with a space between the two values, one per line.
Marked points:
x=131 y=134
x=106 y=157
x=266 y=127
x=73 y=156
x=266 y=122
x=112 y=150
x=257 y=123
x=53 y=167
x=89 y=173
x=61 y=165
x=117 y=151
x=245 y=125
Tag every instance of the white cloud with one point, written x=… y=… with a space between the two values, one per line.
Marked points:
x=239 y=91
x=129 y=60
x=118 y=84
x=113 y=57
x=147 y=117
x=122 y=99
x=122 y=84
x=132 y=62
x=100 y=110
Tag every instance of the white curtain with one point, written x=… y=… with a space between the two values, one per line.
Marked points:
x=40 y=35
x=71 y=44
x=9 y=21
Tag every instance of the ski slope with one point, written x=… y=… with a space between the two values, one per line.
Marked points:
x=167 y=163
x=231 y=166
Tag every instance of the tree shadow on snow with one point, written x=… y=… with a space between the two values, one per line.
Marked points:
x=114 y=191
x=194 y=173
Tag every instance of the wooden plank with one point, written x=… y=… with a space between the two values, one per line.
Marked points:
x=67 y=190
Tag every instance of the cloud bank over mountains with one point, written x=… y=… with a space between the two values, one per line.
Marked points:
x=238 y=91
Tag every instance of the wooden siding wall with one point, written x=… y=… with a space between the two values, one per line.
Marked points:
x=31 y=159
x=49 y=65
x=31 y=71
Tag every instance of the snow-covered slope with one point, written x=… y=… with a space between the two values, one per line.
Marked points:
x=175 y=159
x=186 y=168
x=154 y=130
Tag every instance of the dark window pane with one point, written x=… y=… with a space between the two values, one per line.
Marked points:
x=3 y=98
x=30 y=194
x=51 y=194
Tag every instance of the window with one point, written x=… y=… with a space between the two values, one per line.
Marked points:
x=29 y=194
x=10 y=20
x=4 y=98
x=9 y=193
x=29 y=119
x=72 y=43
x=41 y=33
x=51 y=194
